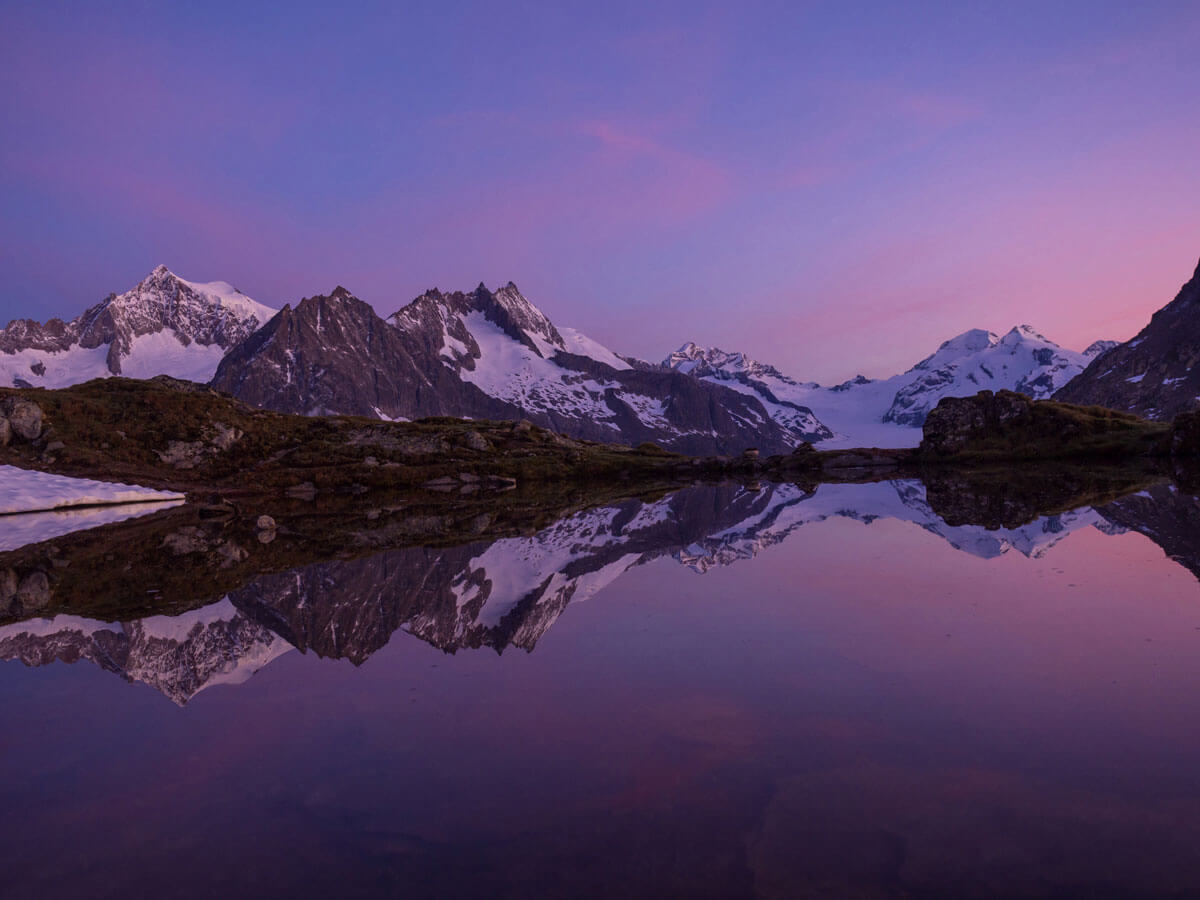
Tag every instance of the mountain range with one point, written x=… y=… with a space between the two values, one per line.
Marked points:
x=494 y=355
x=507 y=593
x=488 y=355
x=888 y=412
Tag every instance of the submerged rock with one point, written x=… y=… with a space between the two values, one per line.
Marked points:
x=34 y=591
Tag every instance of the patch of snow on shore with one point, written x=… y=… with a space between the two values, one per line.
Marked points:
x=24 y=490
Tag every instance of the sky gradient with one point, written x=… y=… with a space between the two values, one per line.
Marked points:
x=831 y=187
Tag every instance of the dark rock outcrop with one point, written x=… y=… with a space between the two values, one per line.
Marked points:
x=1007 y=425
x=1185 y=434
x=957 y=423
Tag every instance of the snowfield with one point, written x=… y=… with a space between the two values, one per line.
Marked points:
x=23 y=490
x=20 y=529
x=38 y=506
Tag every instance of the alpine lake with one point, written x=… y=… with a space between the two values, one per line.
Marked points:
x=987 y=687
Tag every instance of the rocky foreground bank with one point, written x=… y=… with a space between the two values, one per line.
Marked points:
x=175 y=435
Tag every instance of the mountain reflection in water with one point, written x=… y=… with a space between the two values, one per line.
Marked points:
x=779 y=690
x=509 y=592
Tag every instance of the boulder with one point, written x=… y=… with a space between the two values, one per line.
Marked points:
x=33 y=592
x=183 y=454
x=225 y=436
x=5 y=431
x=956 y=422
x=24 y=417
x=476 y=441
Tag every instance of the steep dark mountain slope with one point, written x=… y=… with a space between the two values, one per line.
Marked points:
x=484 y=355
x=1156 y=373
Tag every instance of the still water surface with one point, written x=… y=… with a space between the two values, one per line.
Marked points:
x=727 y=693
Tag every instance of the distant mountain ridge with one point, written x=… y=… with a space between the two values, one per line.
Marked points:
x=508 y=593
x=866 y=411
x=495 y=355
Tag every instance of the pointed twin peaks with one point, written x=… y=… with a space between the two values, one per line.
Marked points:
x=490 y=354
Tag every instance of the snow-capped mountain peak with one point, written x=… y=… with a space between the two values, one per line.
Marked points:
x=883 y=412
x=777 y=393
x=1023 y=360
x=165 y=325
x=965 y=344
x=1019 y=334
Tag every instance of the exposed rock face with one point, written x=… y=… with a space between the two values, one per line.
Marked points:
x=334 y=354
x=1156 y=374
x=165 y=325
x=1185 y=434
x=956 y=422
x=1011 y=426
x=482 y=355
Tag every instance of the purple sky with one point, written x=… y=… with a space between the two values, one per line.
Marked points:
x=832 y=188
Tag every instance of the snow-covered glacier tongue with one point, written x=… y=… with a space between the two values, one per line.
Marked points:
x=165 y=325
x=888 y=412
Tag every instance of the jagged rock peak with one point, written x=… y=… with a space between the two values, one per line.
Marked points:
x=507 y=308
x=1098 y=348
x=692 y=359
x=525 y=315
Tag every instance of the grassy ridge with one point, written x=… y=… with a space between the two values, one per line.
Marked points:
x=164 y=433
x=1009 y=427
